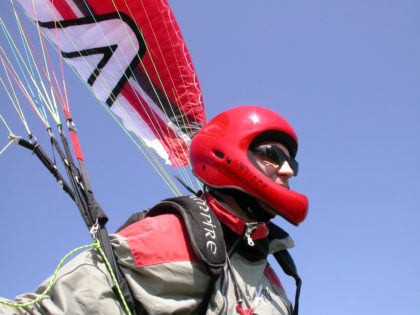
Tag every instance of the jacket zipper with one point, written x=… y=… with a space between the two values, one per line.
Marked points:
x=249 y=229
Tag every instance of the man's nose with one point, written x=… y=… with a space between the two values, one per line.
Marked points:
x=285 y=170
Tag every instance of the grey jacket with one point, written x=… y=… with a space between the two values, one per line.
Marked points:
x=164 y=274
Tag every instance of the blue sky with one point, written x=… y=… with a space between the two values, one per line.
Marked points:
x=346 y=76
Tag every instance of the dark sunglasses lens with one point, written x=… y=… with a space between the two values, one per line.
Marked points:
x=278 y=156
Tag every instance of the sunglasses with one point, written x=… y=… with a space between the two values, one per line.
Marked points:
x=277 y=155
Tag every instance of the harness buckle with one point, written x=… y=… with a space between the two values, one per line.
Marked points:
x=94 y=229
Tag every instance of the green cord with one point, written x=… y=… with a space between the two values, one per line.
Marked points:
x=111 y=272
x=96 y=245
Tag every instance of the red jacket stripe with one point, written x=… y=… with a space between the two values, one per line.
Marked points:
x=157 y=240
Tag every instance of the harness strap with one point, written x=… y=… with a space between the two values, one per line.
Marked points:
x=205 y=234
x=287 y=264
x=203 y=227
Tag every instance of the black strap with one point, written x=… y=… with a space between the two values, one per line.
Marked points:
x=205 y=234
x=93 y=214
x=203 y=227
x=81 y=193
x=286 y=263
x=136 y=308
x=43 y=157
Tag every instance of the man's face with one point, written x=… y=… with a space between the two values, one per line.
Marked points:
x=279 y=173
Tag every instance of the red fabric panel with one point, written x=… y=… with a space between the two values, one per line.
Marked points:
x=65 y=11
x=158 y=240
x=171 y=69
x=167 y=63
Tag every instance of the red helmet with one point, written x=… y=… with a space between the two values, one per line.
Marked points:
x=220 y=157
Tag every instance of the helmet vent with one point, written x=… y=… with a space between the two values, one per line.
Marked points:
x=219 y=154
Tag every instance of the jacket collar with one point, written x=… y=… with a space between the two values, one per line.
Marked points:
x=253 y=241
x=237 y=224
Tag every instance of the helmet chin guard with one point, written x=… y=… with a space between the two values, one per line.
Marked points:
x=219 y=156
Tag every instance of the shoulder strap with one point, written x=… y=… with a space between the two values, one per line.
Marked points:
x=203 y=227
x=204 y=231
x=287 y=264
